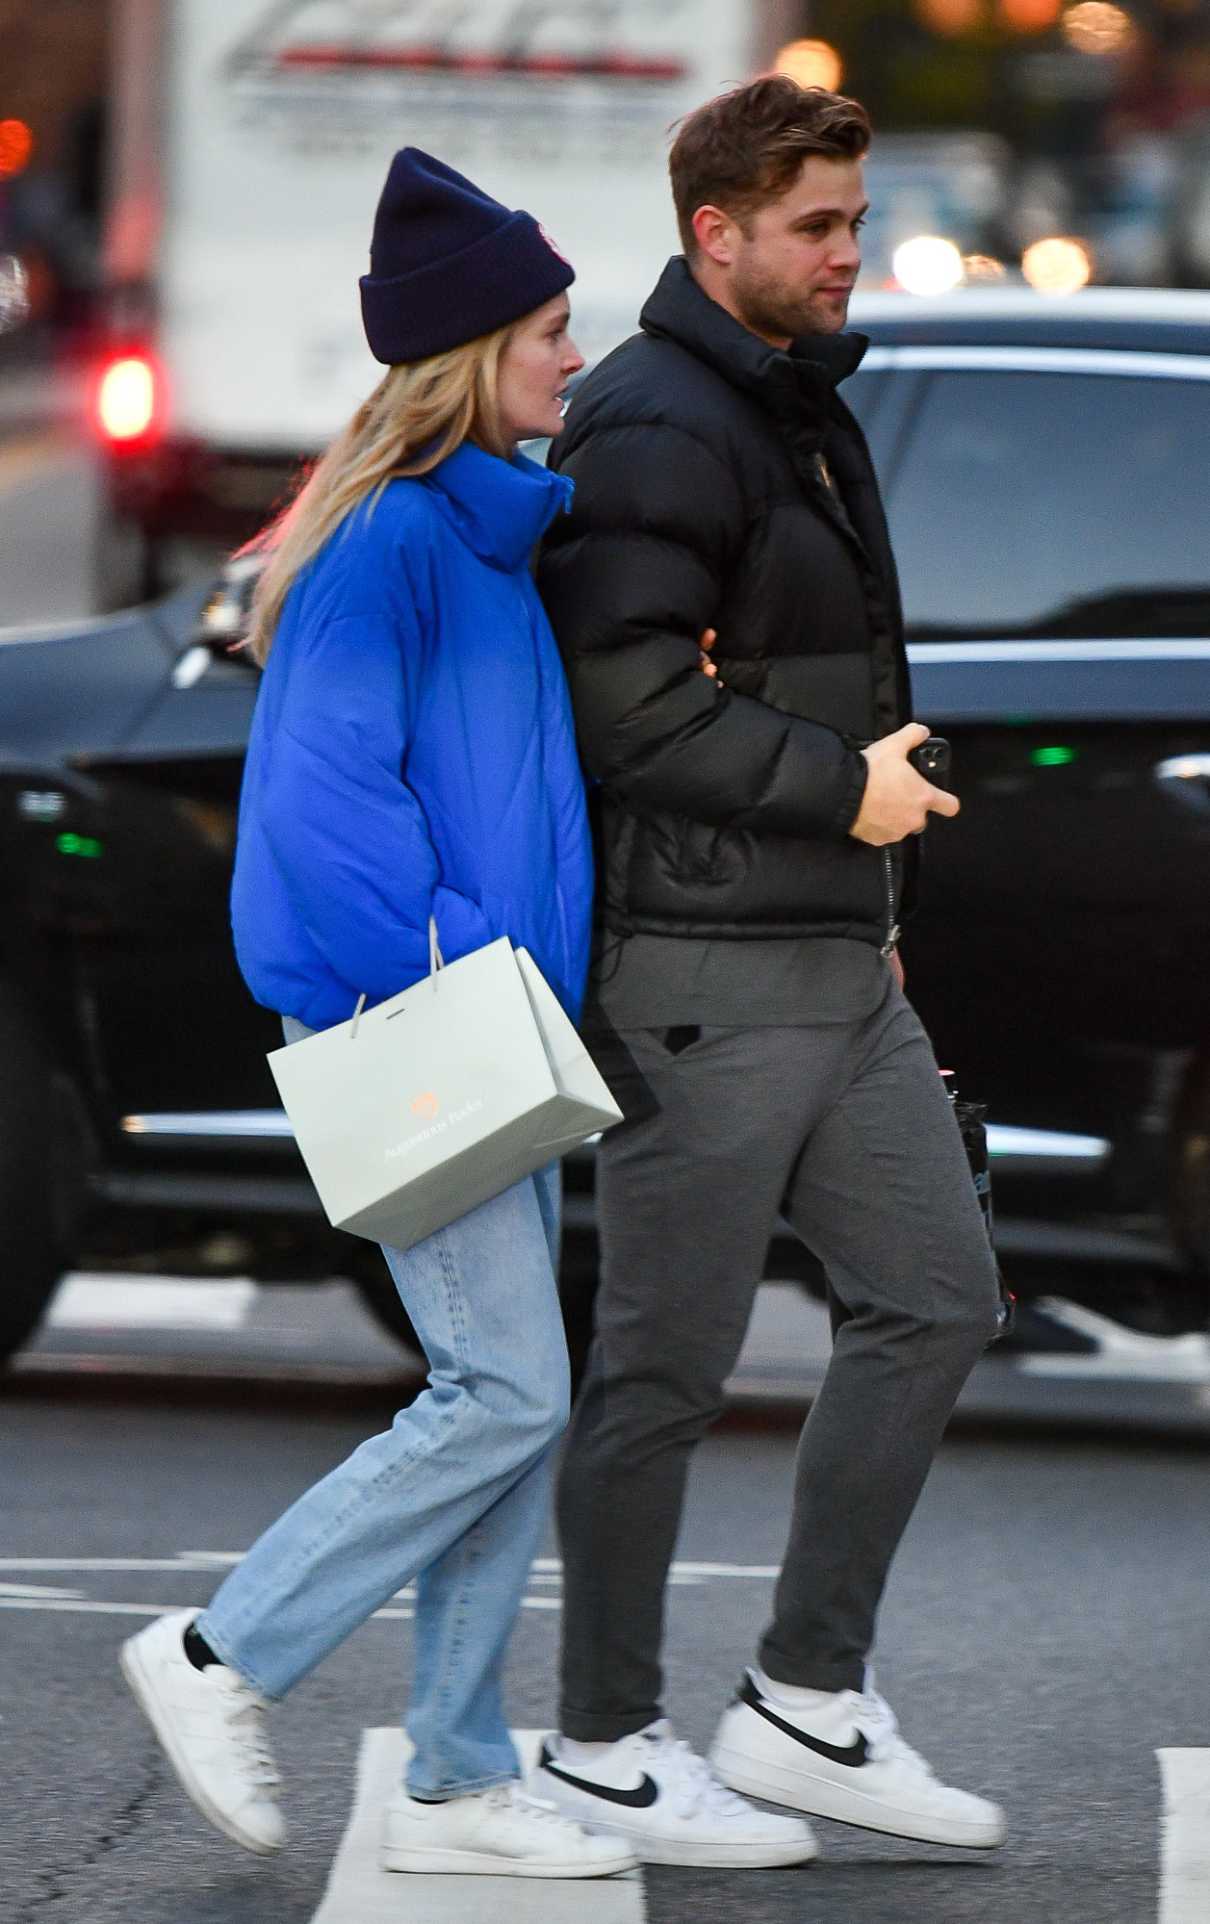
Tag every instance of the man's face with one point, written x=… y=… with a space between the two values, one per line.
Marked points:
x=793 y=270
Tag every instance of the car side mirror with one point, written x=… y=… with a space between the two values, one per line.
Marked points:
x=227 y=613
x=222 y=623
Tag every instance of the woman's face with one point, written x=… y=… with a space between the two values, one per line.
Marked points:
x=535 y=367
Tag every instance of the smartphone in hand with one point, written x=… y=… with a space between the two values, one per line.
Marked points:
x=932 y=760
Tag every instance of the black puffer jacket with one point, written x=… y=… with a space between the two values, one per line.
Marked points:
x=701 y=501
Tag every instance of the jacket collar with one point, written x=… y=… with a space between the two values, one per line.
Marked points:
x=803 y=378
x=500 y=508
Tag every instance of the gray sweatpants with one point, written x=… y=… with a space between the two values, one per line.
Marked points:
x=846 y=1129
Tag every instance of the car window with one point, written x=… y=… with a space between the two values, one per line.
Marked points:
x=863 y=392
x=881 y=401
x=1035 y=505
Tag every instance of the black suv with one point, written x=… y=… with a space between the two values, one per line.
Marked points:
x=1043 y=463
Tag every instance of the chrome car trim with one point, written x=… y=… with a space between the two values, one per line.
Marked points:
x=929 y=651
x=227 y=1125
x=1186 y=778
x=1090 y=307
x=1183 y=768
x=218 y=1124
x=1040 y=360
x=1047 y=1145
x=14 y=634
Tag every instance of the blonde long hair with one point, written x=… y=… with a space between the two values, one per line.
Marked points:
x=417 y=415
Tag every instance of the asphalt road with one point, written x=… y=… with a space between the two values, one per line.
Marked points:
x=1043 y=1638
x=48 y=500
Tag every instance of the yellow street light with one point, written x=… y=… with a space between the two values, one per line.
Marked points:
x=928 y=264
x=1029 y=16
x=1097 y=27
x=1057 y=265
x=950 y=16
x=813 y=63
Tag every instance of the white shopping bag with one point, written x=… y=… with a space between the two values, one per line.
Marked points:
x=419 y=1109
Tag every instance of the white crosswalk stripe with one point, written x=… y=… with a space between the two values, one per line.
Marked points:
x=85 y=1301
x=359 y=1893
x=37 y=1592
x=1185 y=1837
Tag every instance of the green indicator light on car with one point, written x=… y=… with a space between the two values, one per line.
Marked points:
x=1055 y=756
x=83 y=845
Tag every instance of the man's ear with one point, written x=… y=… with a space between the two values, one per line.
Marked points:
x=714 y=232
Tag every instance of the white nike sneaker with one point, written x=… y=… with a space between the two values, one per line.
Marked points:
x=211 y=1724
x=500 y=1832
x=669 y=1806
x=844 y=1758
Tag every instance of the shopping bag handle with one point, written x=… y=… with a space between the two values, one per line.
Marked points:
x=436 y=959
x=436 y=963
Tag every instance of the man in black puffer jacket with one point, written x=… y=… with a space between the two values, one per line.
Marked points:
x=725 y=597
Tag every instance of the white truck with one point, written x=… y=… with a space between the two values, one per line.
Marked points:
x=250 y=141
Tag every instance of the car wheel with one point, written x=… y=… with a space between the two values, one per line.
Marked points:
x=41 y=1180
x=376 y=1287
x=1190 y=1205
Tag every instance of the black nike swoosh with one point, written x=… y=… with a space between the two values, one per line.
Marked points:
x=640 y=1799
x=853 y=1754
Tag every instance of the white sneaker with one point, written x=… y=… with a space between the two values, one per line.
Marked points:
x=843 y=1758
x=668 y=1804
x=500 y=1832
x=211 y=1724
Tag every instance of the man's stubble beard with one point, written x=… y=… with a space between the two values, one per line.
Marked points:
x=773 y=311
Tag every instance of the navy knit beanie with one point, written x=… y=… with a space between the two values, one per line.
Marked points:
x=448 y=263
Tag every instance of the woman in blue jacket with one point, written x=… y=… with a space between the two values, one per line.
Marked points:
x=413 y=755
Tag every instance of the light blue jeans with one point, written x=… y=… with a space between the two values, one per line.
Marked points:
x=454 y=1494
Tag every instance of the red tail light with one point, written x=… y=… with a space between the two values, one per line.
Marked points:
x=128 y=402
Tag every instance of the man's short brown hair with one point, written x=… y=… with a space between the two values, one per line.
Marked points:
x=743 y=149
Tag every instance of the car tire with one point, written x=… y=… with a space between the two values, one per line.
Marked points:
x=1190 y=1173
x=43 y=1164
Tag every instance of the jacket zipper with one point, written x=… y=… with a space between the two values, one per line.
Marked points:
x=893 y=930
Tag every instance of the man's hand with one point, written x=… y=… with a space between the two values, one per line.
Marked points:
x=897 y=801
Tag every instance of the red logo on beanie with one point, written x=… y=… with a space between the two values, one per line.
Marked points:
x=554 y=250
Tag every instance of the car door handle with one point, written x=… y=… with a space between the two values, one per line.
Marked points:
x=1186 y=778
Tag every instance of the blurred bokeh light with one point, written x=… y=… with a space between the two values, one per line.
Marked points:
x=126 y=399
x=14 y=292
x=1057 y=265
x=950 y=16
x=984 y=268
x=928 y=264
x=813 y=63
x=16 y=148
x=1028 y=16
x=1097 y=27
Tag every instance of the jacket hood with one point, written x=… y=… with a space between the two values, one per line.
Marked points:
x=804 y=377
x=500 y=508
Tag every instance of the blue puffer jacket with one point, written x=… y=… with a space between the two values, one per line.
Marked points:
x=413 y=752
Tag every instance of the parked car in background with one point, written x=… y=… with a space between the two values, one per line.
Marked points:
x=1043 y=466
x=1046 y=490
